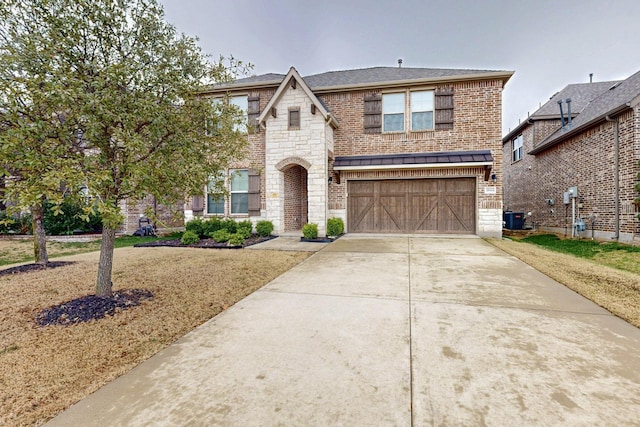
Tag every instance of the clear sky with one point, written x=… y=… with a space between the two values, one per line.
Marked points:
x=548 y=44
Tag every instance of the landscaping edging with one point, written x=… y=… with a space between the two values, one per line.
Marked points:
x=203 y=243
x=321 y=239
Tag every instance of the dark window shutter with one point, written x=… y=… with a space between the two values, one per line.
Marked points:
x=444 y=108
x=197 y=203
x=373 y=113
x=254 y=193
x=253 y=110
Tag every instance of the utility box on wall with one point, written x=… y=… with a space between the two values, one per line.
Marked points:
x=513 y=220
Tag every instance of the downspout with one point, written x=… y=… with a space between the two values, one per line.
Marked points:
x=616 y=162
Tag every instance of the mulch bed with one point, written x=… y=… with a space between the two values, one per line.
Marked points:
x=204 y=243
x=26 y=268
x=91 y=307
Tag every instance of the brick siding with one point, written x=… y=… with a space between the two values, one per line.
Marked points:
x=586 y=161
x=477 y=126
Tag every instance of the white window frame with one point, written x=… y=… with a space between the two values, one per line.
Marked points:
x=232 y=192
x=394 y=111
x=413 y=109
x=221 y=177
x=408 y=110
x=516 y=148
x=241 y=102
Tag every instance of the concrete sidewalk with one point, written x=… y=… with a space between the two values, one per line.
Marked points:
x=390 y=331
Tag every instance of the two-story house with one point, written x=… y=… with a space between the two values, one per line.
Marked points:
x=387 y=149
x=593 y=150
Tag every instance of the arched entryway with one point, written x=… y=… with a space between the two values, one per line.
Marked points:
x=296 y=206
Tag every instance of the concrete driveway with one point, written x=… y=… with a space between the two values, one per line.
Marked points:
x=390 y=331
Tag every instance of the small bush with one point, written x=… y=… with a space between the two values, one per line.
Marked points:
x=230 y=225
x=335 y=226
x=310 y=231
x=70 y=219
x=244 y=232
x=236 y=239
x=15 y=224
x=196 y=226
x=189 y=237
x=264 y=228
x=245 y=227
x=211 y=225
x=221 y=236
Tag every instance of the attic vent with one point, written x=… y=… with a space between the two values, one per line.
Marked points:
x=615 y=85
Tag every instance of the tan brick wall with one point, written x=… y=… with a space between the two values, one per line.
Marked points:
x=477 y=126
x=585 y=161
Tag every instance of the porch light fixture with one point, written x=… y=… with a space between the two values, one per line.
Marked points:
x=494 y=178
x=330 y=179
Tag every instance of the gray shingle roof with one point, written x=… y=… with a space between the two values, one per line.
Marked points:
x=263 y=78
x=480 y=156
x=581 y=94
x=610 y=101
x=383 y=75
x=375 y=75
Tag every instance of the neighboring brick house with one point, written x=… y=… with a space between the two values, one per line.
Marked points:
x=167 y=217
x=597 y=151
x=387 y=149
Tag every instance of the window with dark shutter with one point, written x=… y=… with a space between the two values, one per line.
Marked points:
x=254 y=193
x=444 y=108
x=197 y=204
x=373 y=113
x=294 y=118
x=253 y=111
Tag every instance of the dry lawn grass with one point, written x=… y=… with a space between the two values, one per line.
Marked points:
x=45 y=370
x=616 y=290
x=22 y=249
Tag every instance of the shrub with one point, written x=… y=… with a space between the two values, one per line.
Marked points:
x=244 y=232
x=310 y=231
x=211 y=225
x=236 y=239
x=195 y=226
x=264 y=228
x=69 y=220
x=230 y=225
x=335 y=226
x=15 y=224
x=221 y=236
x=189 y=237
x=245 y=227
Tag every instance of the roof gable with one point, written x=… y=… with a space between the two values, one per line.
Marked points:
x=293 y=74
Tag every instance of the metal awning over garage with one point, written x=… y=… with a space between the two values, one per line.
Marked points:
x=394 y=204
x=415 y=160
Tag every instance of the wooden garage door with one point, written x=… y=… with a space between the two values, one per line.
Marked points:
x=412 y=206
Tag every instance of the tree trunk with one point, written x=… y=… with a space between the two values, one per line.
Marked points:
x=39 y=235
x=105 y=267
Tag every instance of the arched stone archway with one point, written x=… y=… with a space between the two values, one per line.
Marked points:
x=296 y=207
